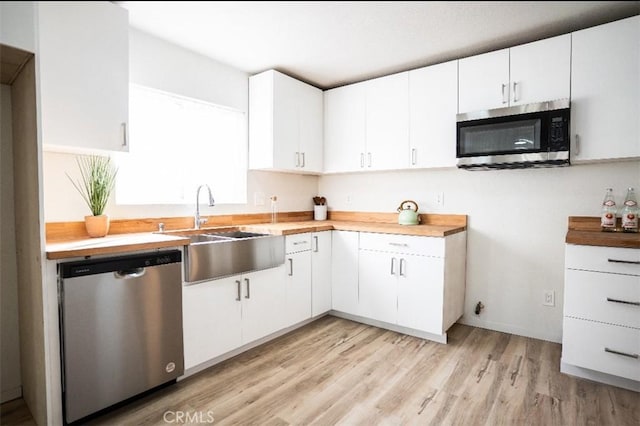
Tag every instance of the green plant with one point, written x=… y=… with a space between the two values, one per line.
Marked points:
x=97 y=180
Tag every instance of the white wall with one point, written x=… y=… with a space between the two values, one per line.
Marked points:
x=17 y=23
x=162 y=65
x=9 y=338
x=517 y=221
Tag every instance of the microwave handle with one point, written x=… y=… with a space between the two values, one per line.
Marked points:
x=576 y=150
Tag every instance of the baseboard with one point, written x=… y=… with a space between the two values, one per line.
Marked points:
x=507 y=328
x=10 y=394
x=439 y=338
x=600 y=377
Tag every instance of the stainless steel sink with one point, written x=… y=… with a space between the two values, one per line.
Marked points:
x=219 y=254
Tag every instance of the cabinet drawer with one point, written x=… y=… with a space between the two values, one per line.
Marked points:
x=586 y=344
x=297 y=242
x=598 y=296
x=407 y=244
x=603 y=259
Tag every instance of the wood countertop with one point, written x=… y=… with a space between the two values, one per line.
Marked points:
x=113 y=244
x=586 y=231
x=127 y=242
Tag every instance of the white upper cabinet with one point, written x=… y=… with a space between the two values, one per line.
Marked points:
x=367 y=125
x=529 y=73
x=387 y=129
x=433 y=105
x=84 y=75
x=285 y=124
x=605 y=91
x=344 y=132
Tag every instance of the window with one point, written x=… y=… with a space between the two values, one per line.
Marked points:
x=177 y=144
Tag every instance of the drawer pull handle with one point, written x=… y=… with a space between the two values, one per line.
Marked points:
x=611 y=351
x=295 y=243
x=630 y=262
x=626 y=302
x=399 y=244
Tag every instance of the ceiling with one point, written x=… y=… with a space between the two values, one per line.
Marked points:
x=329 y=44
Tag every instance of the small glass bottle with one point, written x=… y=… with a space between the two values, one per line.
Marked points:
x=608 y=212
x=274 y=209
x=630 y=212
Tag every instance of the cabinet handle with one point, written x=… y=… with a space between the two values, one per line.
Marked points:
x=515 y=93
x=290 y=267
x=629 y=262
x=248 y=296
x=369 y=155
x=505 y=96
x=576 y=151
x=413 y=156
x=611 y=351
x=362 y=160
x=297 y=159
x=239 y=291
x=625 y=302
x=303 y=162
x=393 y=266
x=125 y=135
x=402 y=262
x=315 y=239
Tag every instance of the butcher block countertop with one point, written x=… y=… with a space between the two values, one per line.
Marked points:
x=77 y=245
x=586 y=231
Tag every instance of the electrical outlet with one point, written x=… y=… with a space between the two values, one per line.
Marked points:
x=549 y=298
x=258 y=199
x=440 y=199
x=349 y=199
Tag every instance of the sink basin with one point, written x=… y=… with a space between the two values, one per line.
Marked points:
x=219 y=254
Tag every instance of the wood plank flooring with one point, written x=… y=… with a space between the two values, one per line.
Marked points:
x=338 y=372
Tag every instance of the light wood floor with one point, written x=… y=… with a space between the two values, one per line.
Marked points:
x=335 y=371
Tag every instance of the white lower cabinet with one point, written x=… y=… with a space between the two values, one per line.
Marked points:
x=222 y=315
x=320 y=273
x=402 y=280
x=344 y=271
x=298 y=282
x=601 y=327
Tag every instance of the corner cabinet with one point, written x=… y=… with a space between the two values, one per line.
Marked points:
x=529 y=73
x=601 y=327
x=84 y=76
x=285 y=124
x=367 y=125
x=605 y=91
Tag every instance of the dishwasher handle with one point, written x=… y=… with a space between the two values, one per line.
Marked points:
x=127 y=274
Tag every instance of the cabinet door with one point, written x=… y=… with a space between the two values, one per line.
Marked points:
x=344 y=271
x=484 y=81
x=387 y=122
x=379 y=285
x=344 y=131
x=321 y=273
x=212 y=320
x=420 y=293
x=84 y=75
x=311 y=140
x=605 y=91
x=263 y=302
x=540 y=71
x=286 y=121
x=433 y=105
x=298 y=291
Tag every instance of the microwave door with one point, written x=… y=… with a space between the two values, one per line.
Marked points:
x=500 y=138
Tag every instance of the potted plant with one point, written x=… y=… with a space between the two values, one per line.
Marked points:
x=97 y=180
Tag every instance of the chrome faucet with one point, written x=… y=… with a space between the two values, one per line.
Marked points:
x=196 y=219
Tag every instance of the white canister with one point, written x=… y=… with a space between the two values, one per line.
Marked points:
x=320 y=212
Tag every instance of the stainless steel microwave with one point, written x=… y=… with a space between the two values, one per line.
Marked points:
x=523 y=136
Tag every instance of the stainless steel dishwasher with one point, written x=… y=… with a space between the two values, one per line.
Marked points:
x=121 y=328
